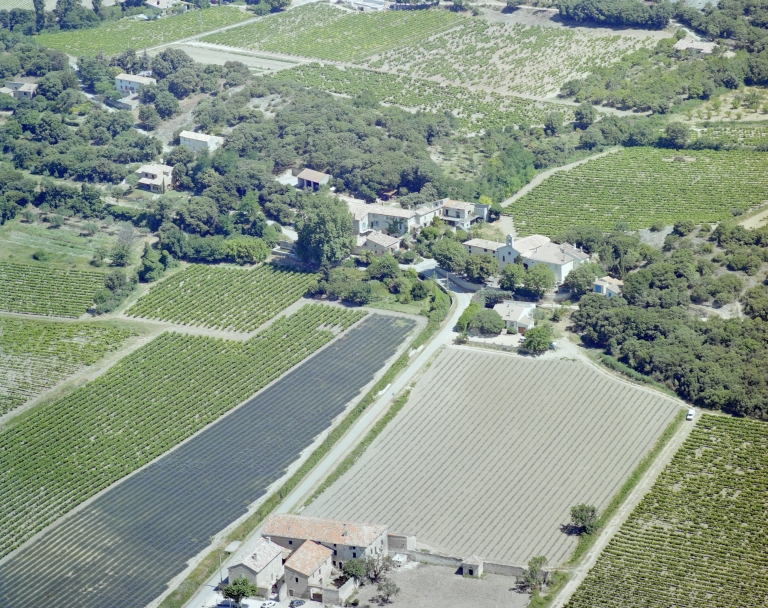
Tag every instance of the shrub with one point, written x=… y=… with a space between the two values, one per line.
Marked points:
x=43 y=256
x=488 y=322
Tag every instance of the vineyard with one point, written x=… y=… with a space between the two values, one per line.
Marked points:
x=475 y=110
x=320 y=31
x=699 y=537
x=147 y=403
x=507 y=58
x=153 y=523
x=641 y=186
x=43 y=290
x=36 y=355
x=117 y=36
x=744 y=133
x=223 y=298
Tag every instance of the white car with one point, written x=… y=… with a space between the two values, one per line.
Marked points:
x=268 y=604
x=690 y=414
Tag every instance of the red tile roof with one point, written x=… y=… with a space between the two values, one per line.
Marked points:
x=323 y=530
x=308 y=558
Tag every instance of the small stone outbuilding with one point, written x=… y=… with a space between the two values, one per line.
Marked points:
x=472 y=566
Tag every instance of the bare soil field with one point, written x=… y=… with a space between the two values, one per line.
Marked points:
x=492 y=450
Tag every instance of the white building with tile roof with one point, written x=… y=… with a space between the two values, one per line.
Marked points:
x=264 y=567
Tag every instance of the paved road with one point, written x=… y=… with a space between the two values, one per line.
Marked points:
x=207 y=596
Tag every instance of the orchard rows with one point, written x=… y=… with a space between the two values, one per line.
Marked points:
x=699 y=537
x=147 y=403
x=475 y=110
x=223 y=298
x=641 y=186
x=36 y=355
x=42 y=290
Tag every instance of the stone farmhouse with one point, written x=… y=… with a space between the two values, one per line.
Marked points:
x=264 y=567
x=309 y=178
x=534 y=249
x=607 y=286
x=308 y=571
x=155 y=177
x=20 y=90
x=377 y=242
x=128 y=84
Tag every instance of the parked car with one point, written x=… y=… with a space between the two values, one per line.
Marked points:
x=296 y=603
x=268 y=604
x=690 y=415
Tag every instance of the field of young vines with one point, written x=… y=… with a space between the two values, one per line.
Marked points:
x=505 y=57
x=474 y=109
x=117 y=36
x=43 y=290
x=36 y=355
x=316 y=30
x=156 y=397
x=641 y=186
x=699 y=537
x=731 y=133
x=223 y=298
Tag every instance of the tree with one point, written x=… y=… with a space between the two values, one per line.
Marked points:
x=538 y=279
x=683 y=227
x=534 y=576
x=449 y=254
x=488 y=322
x=151 y=267
x=149 y=118
x=386 y=590
x=384 y=267
x=239 y=589
x=120 y=255
x=537 y=339
x=467 y=316
x=585 y=114
x=247 y=249
x=581 y=279
x=512 y=275
x=377 y=566
x=166 y=104
x=39 y=14
x=513 y=4
x=677 y=134
x=585 y=517
x=354 y=568
x=480 y=267
x=553 y=123
x=325 y=231
x=591 y=138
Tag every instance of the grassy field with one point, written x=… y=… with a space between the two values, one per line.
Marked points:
x=60 y=455
x=223 y=298
x=44 y=290
x=475 y=110
x=641 y=186
x=327 y=33
x=698 y=538
x=117 y=36
x=35 y=355
x=505 y=57
x=491 y=451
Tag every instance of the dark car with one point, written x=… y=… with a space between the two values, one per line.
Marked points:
x=296 y=603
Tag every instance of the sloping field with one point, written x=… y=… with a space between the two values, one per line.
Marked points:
x=641 y=186
x=122 y=549
x=491 y=452
x=42 y=290
x=118 y=36
x=223 y=298
x=35 y=355
x=62 y=454
x=698 y=538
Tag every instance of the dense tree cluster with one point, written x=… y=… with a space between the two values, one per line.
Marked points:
x=628 y=13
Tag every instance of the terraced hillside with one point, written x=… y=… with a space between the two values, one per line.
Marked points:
x=492 y=450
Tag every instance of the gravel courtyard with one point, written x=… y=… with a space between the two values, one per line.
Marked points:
x=423 y=586
x=492 y=450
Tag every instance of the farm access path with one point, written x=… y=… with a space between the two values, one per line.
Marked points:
x=207 y=595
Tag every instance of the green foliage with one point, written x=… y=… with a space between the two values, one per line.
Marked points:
x=113 y=37
x=611 y=189
x=239 y=589
x=480 y=267
x=538 y=279
x=36 y=355
x=384 y=267
x=466 y=317
x=325 y=231
x=534 y=576
x=585 y=517
x=223 y=298
x=186 y=381
x=716 y=478
x=450 y=255
x=42 y=290
x=580 y=280
x=355 y=568
x=247 y=250
x=488 y=322
x=512 y=276
x=627 y=13
x=537 y=339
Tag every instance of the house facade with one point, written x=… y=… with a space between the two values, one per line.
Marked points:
x=397 y=221
x=458 y=214
x=607 y=286
x=128 y=84
x=155 y=177
x=200 y=141
x=308 y=570
x=263 y=568
x=346 y=540
x=309 y=178
x=381 y=244
x=517 y=316
x=480 y=246
x=538 y=249
x=20 y=90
